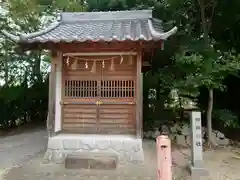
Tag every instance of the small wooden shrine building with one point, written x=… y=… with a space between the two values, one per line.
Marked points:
x=95 y=92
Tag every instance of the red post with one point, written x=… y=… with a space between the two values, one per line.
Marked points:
x=164 y=159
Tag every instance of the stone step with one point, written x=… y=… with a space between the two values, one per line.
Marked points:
x=91 y=160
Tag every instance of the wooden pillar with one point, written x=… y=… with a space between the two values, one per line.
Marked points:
x=58 y=94
x=139 y=96
x=141 y=103
x=51 y=96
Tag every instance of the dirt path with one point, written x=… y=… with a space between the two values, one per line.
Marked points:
x=35 y=169
x=222 y=164
x=19 y=148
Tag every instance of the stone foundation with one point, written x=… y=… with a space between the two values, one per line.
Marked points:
x=126 y=148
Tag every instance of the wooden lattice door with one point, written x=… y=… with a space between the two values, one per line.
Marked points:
x=99 y=96
x=80 y=96
x=117 y=110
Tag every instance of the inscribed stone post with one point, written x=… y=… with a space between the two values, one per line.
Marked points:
x=197 y=168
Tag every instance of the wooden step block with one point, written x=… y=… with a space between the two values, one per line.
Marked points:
x=91 y=160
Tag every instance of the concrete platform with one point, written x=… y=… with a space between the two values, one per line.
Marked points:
x=128 y=149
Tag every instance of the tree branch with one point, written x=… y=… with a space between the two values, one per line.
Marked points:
x=210 y=3
x=204 y=22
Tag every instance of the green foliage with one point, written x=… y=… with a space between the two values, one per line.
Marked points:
x=21 y=104
x=70 y=6
x=107 y=5
x=206 y=68
x=227 y=118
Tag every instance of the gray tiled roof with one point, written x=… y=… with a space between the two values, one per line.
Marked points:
x=100 y=26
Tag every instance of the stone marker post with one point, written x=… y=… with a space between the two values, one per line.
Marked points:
x=197 y=168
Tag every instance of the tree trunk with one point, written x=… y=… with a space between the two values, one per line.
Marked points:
x=6 y=72
x=209 y=116
x=210 y=90
x=6 y=69
x=37 y=67
x=180 y=107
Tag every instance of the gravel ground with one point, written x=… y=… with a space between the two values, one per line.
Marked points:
x=19 y=148
x=37 y=170
x=27 y=151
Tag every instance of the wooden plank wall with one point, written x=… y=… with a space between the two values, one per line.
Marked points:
x=80 y=118
x=117 y=119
